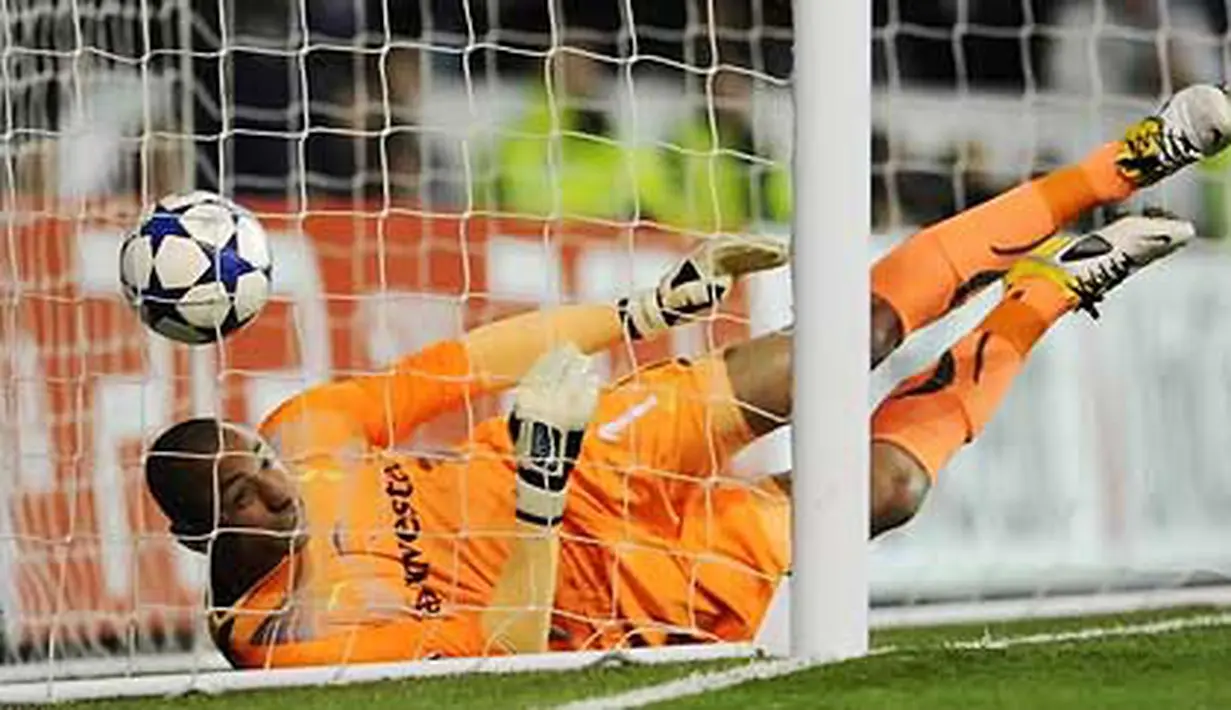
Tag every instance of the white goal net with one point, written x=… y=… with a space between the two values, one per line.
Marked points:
x=425 y=167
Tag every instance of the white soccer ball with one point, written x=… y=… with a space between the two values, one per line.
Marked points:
x=198 y=268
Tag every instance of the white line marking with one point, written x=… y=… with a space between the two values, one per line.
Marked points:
x=701 y=683
x=695 y=684
x=1097 y=632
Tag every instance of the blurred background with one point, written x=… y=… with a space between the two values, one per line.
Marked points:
x=444 y=104
x=425 y=165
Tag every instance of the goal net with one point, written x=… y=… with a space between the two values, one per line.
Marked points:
x=421 y=168
x=427 y=167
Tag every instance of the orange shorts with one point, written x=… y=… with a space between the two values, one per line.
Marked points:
x=659 y=547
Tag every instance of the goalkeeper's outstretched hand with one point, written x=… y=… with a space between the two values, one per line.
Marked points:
x=696 y=285
x=551 y=409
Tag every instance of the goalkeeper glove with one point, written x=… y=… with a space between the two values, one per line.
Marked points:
x=697 y=284
x=551 y=409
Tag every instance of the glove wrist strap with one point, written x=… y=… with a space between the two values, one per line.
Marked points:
x=538 y=506
x=545 y=458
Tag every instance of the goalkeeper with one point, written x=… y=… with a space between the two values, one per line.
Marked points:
x=326 y=548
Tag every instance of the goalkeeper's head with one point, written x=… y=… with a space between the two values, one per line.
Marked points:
x=215 y=480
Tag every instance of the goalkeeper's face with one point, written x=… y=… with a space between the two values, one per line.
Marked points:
x=255 y=490
x=208 y=476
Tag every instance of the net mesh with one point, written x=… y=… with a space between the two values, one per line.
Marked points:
x=421 y=168
x=427 y=167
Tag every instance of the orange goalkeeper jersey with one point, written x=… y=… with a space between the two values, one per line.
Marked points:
x=383 y=575
x=404 y=552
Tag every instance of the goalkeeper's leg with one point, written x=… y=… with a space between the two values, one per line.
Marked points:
x=939 y=267
x=759 y=371
x=924 y=422
x=918 y=428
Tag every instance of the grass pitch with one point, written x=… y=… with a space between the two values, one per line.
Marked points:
x=1058 y=665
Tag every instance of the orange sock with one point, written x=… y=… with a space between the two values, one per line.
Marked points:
x=936 y=269
x=933 y=414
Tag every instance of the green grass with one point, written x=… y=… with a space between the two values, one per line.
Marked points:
x=1177 y=670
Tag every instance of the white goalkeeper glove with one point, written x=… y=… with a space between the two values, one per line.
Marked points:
x=551 y=409
x=697 y=284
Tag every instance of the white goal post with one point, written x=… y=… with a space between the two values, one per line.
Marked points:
x=833 y=115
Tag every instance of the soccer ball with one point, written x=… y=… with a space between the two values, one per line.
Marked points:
x=197 y=269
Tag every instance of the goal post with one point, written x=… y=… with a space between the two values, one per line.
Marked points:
x=832 y=225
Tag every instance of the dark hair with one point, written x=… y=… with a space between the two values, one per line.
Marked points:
x=179 y=472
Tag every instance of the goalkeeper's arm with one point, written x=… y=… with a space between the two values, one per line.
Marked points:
x=500 y=353
x=553 y=405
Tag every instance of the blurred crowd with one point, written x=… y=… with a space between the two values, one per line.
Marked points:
x=1118 y=53
x=562 y=150
x=1077 y=47
x=360 y=98
x=712 y=169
